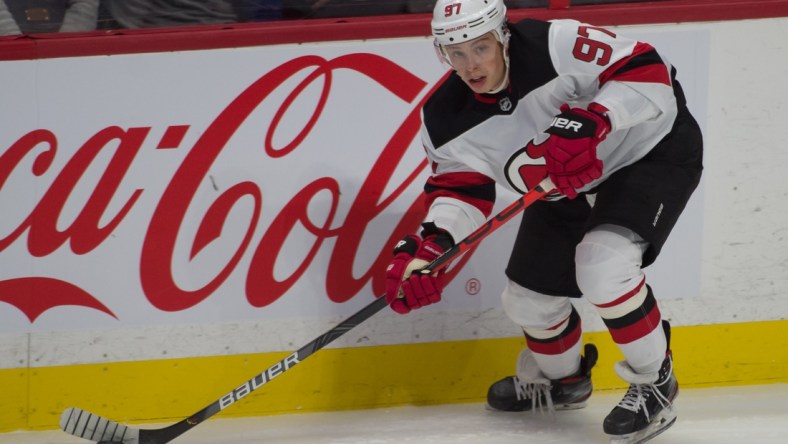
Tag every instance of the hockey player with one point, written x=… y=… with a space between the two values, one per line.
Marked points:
x=604 y=118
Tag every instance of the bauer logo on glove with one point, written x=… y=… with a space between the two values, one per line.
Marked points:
x=570 y=125
x=570 y=151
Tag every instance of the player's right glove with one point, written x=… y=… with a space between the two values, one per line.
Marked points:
x=570 y=151
x=406 y=288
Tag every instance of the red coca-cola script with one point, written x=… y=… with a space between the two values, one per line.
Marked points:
x=33 y=295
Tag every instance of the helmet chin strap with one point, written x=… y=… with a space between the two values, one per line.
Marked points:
x=505 y=81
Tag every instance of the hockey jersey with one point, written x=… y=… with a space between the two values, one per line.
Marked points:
x=474 y=141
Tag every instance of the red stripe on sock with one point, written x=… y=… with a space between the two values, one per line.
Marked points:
x=560 y=345
x=639 y=329
x=625 y=297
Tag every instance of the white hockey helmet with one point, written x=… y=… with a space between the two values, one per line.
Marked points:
x=457 y=21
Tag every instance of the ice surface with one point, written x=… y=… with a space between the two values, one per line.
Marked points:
x=744 y=414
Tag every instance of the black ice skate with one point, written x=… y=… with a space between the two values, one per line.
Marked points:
x=530 y=389
x=647 y=408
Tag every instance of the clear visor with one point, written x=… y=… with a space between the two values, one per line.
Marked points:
x=472 y=53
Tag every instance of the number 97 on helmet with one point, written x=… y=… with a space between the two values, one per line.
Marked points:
x=458 y=21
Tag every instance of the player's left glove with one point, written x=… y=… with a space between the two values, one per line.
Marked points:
x=570 y=151
x=406 y=288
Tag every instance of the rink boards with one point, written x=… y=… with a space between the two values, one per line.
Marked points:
x=363 y=377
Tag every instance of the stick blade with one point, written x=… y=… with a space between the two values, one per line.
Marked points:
x=83 y=424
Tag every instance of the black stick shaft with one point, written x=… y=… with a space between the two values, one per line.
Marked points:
x=167 y=434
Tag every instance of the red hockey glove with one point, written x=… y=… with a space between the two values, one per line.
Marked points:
x=406 y=290
x=570 y=152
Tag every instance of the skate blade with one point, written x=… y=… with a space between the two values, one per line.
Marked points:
x=575 y=406
x=557 y=407
x=665 y=419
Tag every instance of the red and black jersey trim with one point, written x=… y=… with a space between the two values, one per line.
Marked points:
x=473 y=188
x=644 y=65
x=560 y=343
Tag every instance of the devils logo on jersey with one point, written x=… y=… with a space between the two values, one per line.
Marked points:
x=525 y=169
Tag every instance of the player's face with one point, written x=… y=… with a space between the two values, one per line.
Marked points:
x=479 y=62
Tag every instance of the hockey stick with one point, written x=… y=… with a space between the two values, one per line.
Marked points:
x=92 y=427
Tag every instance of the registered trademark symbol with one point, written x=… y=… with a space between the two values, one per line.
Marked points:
x=473 y=286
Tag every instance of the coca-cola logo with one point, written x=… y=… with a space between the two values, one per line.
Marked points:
x=97 y=219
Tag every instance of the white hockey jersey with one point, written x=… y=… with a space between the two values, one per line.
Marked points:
x=476 y=140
